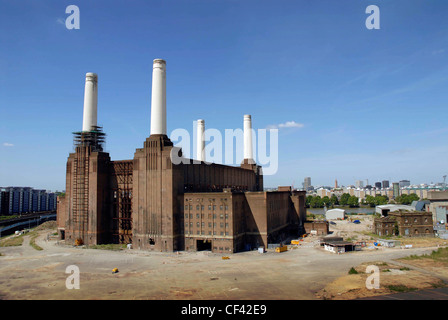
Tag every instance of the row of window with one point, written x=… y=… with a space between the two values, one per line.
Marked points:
x=202 y=207
x=210 y=233
x=209 y=224
x=202 y=216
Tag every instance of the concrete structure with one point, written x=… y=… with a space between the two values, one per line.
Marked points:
x=159 y=205
x=335 y=214
x=90 y=102
x=200 y=145
x=158 y=101
x=248 y=144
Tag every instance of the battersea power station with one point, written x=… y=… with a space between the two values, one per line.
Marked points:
x=156 y=204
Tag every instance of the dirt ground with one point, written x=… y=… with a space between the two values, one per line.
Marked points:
x=393 y=278
x=364 y=232
x=301 y=273
x=395 y=275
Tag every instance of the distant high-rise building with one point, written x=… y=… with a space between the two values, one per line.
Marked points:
x=18 y=200
x=307 y=183
x=378 y=185
x=404 y=183
x=359 y=184
x=336 y=183
x=385 y=184
x=396 y=189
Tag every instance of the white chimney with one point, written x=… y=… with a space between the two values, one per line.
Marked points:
x=89 y=120
x=200 y=146
x=158 y=98
x=248 y=150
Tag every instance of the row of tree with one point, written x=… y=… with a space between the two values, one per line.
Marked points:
x=320 y=202
x=353 y=201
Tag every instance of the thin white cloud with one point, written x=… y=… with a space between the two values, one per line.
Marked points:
x=287 y=124
x=60 y=21
x=437 y=52
x=7 y=144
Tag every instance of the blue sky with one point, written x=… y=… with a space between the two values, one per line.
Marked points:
x=371 y=104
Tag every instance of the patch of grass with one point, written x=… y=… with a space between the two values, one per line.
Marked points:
x=13 y=241
x=112 y=246
x=400 y=288
x=405 y=269
x=8 y=217
x=353 y=271
x=386 y=270
x=440 y=284
x=33 y=242
x=440 y=254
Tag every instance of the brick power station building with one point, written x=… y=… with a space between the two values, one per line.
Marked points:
x=157 y=205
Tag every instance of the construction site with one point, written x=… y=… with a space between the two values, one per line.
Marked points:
x=34 y=266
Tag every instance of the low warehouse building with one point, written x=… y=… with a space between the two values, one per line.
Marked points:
x=335 y=214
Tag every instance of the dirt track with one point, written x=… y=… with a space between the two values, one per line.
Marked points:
x=26 y=273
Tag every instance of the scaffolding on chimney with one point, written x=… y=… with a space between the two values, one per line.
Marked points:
x=94 y=138
x=80 y=209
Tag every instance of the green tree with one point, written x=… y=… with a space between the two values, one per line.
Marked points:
x=353 y=201
x=326 y=201
x=344 y=199
x=316 y=202
x=308 y=201
x=380 y=200
x=334 y=200
x=370 y=200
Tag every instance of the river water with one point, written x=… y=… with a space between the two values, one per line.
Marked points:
x=364 y=210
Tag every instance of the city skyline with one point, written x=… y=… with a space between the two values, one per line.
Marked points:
x=349 y=102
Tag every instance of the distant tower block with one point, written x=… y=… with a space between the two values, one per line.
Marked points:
x=336 y=183
x=158 y=98
x=89 y=122
x=248 y=148
x=200 y=152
